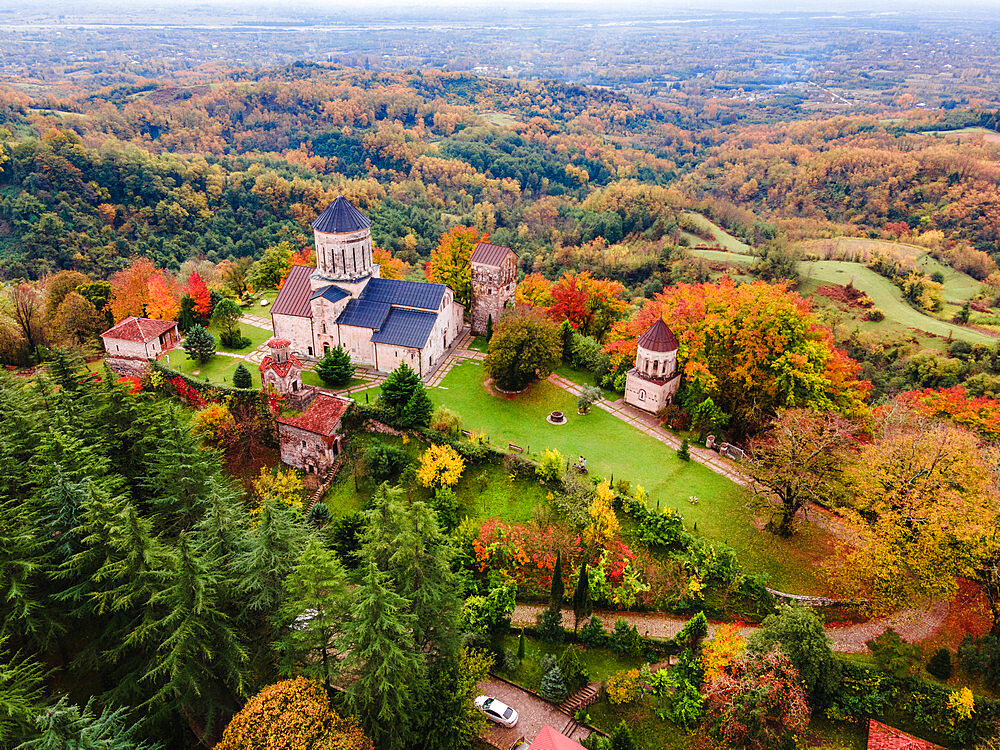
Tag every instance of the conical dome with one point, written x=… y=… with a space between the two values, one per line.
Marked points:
x=658 y=338
x=339 y=217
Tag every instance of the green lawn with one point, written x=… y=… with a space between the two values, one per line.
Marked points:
x=219 y=369
x=485 y=491
x=583 y=377
x=722 y=237
x=600 y=663
x=256 y=335
x=613 y=447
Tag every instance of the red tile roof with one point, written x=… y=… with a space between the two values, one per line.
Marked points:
x=883 y=737
x=281 y=368
x=490 y=255
x=322 y=416
x=139 y=329
x=550 y=739
x=658 y=338
x=293 y=299
x=277 y=343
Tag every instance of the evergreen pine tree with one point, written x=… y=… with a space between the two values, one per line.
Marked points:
x=22 y=683
x=398 y=388
x=241 y=377
x=553 y=687
x=566 y=336
x=417 y=412
x=336 y=368
x=65 y=725
x=314 y=612
x=520 y=646
x=684 y=453
x=489 y=327
x=583 y=606
x=382 y=655
x=199 y=344
x=622 y=739
x=186 y=316
x=557 y=590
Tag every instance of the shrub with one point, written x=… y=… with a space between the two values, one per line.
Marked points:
x=684 y=452
x=693 y=633
x=234 y=339
x=875 y=314
x=624 y=687
x=939 y=664
x=593 y=634
x=445 y=420
x=440 y=466
x=665 y=529
x=551 y=465
x=622 y=739
x=894 y=655
x=549 y=624
x=445 y=504
x=383 y=461
x=625 y=639
x=574 y=672
x=553 y=687
x=336 y=368
x=589 y=395
x=981 y=658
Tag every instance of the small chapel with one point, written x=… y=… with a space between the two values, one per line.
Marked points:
x=343 y=301
x=654 y=380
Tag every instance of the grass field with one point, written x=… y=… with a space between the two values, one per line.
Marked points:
x=990 y=136
x=722 y=237
x=600 y=663
x=613 y=447
x=219 y=369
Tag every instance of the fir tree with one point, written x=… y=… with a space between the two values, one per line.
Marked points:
x=622 y=739
x=382 y=655
x=398 y=388
x=336 y=368
x=199 y=344
x=241 y=377
x=684 y=453
x=186 y=315
x=583 y=606
x=520 y=646
x=65 y=725
x=553 y=687
x=22 y=683
x=489 y=327
x=417 y=412
x=314 y=612
x=557 y=590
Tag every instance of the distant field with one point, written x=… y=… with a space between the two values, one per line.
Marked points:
x=722 y=237
x=990 y=136
x=501 y=119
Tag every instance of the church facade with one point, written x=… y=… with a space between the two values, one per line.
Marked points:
x=654 y=380
x=343 y=301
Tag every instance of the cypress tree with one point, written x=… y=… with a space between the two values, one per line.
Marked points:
x=382 y=655
x=489 y=327
x=520 y=646
x=241 y=377
x=186 y=316
x=336 y=368
x=582 y=604
x=558 y=588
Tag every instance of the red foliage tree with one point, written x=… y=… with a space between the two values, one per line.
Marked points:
x=981 y=414
x=199 y=293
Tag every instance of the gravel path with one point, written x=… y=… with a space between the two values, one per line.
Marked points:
x=913 y=625
x=532 y=714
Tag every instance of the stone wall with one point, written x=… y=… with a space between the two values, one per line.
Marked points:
x=128 y=367
x=305 y=450
x=649 y=395
x=127 y=348
x=344 y=256
x=296 y=329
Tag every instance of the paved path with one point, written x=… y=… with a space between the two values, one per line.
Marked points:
x=913 y=625
x=533 y=714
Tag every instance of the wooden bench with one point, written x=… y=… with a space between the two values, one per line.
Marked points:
x=517 y=448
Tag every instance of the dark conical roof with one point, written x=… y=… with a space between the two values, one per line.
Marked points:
x=658 y=338
x=339 y=217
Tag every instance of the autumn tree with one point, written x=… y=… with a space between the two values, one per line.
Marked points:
x=199 y=293
x=161 y=302
x=440 y=466
x=390 y=267
x=525 y=346
x=60 y=285
x=26 y=310
x=450 y=260
x=924 y=508
x=535 y=290
x=292 y=714
x=130 y=288
x=798 y=460
x=591 y=305
x=76 y=320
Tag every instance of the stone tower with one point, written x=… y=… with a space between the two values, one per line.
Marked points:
x=280 y=369
x=343 y=239
x=494 y=278
x=654 y=380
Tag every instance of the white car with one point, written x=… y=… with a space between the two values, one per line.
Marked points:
x=497 y=711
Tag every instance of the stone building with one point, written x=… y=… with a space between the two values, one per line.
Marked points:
x=280 y=369
x=654 y=380
x=132 y=343
x=311 y=441
x=494 y=279
x=342 y=301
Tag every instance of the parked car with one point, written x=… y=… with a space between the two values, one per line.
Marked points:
x=497 y=711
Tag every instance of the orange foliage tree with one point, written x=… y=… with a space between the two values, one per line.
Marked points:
x=130 y=288
x=199 y=293
x=450 y=260
x=591 y=305
x=534 y=290
x=162 y=302
x=391 y=268
x=751 y=349
x=982 y=415
x=291 y=715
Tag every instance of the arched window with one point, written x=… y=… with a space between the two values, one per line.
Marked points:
x=642 y=395
x=326 y=347
x=310 y=351
x=656 y=365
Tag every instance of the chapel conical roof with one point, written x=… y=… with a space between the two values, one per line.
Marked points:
x=658 y=338
x=340 y=217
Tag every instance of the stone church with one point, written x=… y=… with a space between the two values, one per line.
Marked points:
x=494 y=278
x=654 y=380
x=343 y=301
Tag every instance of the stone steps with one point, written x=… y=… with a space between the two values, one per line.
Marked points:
x=580 y=699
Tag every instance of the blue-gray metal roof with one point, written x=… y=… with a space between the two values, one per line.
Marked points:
x=406 y=328
x=332 y=293
x=406 y=293
x=364 y=314
x=341 y=216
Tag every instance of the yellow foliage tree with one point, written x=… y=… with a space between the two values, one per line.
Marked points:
x=291 y=715
x=604 y=524
x=722 y=650
x=440 y=466
x=212 y=424
x=962 y=704
x=278 y=485
x=624 y=687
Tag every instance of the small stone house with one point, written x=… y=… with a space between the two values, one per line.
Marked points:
x=311 y=441
x=493 y=275
x=130 y=344
x=654 y=380
x=883 y=737
x=280 y=369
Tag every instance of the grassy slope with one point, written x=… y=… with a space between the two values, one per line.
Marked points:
x=613 y=447
x=722 y=237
